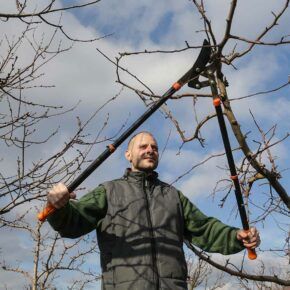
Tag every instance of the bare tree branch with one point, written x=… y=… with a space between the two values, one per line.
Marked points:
x=243 y=275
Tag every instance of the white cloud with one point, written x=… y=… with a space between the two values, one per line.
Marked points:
x=204 y=181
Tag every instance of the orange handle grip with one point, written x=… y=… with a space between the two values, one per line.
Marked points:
x=42 y=216
x=252 y=255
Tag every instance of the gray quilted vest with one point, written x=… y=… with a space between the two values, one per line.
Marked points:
x=141 y=237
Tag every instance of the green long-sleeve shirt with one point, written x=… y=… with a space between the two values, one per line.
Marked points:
x=81 y=217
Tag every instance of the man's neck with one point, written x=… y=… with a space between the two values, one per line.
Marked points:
x=149 y=172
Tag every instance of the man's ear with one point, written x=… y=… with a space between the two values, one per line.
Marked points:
x=128 y=155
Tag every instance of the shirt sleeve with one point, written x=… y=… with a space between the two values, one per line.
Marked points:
x=208 y=233
x=80 y=217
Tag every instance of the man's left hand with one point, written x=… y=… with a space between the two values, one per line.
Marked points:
x=250 y=238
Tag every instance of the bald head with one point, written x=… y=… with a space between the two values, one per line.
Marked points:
x=133 y=138
x=142 y=152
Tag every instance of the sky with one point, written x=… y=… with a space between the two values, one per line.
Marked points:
x=83 y=75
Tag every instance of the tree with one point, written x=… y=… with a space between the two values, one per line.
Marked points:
x=260 y=172
x=52 y=257
x=25 y=56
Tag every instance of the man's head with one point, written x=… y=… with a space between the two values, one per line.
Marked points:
x=142 y=152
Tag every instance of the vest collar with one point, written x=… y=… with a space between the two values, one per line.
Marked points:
x=140 y=175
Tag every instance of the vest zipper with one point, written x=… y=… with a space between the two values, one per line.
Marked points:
x=152 y=239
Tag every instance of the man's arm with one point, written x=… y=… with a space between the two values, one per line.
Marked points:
x=72 y=218
x=212 y=235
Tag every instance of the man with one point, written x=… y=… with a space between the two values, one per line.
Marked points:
x=141 y=223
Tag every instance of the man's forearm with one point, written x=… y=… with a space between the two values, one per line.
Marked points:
x=77 y=218
x=208 y=233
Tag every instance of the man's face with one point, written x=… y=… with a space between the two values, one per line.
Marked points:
x=143 y=153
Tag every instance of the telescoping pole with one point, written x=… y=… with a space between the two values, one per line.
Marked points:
x=241 y=206
x=192 y=73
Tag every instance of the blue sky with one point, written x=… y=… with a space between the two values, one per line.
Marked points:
x=83 y=74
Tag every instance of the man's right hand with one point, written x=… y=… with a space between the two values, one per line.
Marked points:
x=59 y=196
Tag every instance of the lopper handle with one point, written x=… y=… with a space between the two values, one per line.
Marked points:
x=252 y=255
x=48 y=210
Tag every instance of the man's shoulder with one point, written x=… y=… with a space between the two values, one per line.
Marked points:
x=167 y=186
x=112 y=182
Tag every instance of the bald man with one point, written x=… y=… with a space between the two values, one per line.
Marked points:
x=141 y=224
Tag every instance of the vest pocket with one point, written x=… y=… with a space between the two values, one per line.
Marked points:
x=128 y=273
x=128 y=267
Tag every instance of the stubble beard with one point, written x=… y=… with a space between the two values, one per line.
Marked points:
x=143 y=164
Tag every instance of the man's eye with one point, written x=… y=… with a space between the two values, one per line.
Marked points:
x=143 y=147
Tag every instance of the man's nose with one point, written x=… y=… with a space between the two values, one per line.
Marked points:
x=149 y=149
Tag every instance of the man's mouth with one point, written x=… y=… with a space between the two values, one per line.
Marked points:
x=149 y=158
